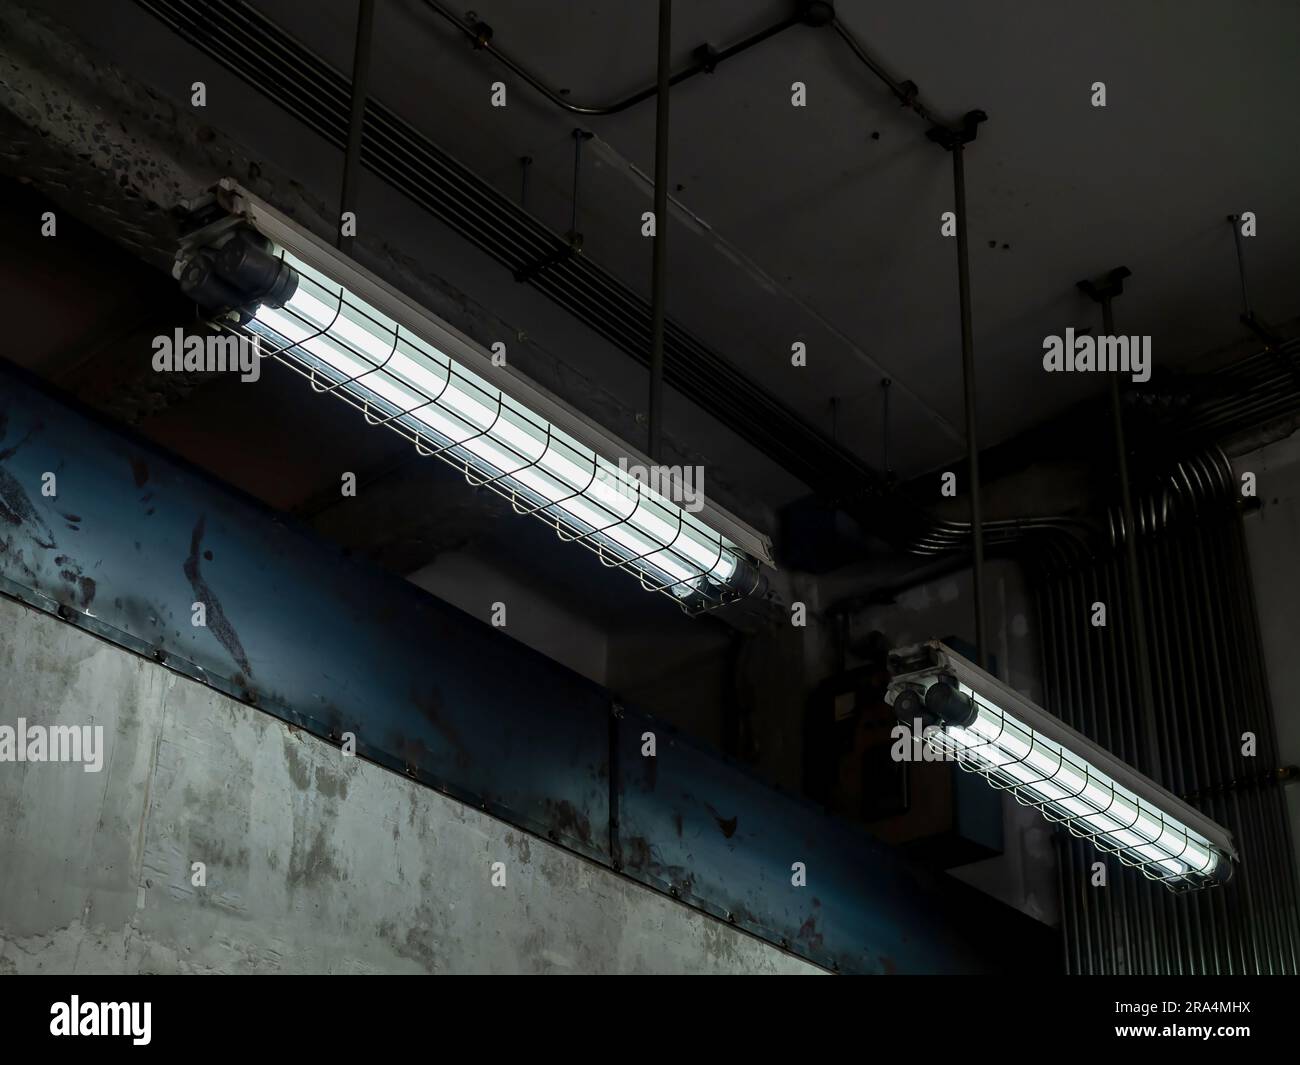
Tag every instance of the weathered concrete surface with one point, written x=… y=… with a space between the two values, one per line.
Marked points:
x=315 y=862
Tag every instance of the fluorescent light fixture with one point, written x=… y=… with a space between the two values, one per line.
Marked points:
x=990 y=729
x=360 y=340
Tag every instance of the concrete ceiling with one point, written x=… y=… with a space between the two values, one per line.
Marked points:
x=821 y=224
x=1200 y=121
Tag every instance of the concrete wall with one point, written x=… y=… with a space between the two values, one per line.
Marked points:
x=533 y=617
x=1273 y=543
x=314 y=862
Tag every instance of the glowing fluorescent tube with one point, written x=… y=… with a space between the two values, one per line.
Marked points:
x=358 y=339
x=990 y=729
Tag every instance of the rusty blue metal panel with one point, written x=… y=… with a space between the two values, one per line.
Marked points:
x=693 y=823
x=132 y=538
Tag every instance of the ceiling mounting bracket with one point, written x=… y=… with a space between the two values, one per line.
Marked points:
x=707 y=57
x=1108 y=287
x=816 y=13
x=948 y=137
x=480 y=33
x=559 y=254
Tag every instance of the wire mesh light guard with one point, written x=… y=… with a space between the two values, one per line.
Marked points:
x=989 y=729
x=354 y=338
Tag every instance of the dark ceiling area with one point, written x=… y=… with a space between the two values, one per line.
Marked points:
x=831 y=239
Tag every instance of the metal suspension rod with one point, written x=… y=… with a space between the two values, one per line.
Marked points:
x=360 y=88
x=659 y=267
x=579 y=135
x=1273 y=343
x=954 y=140
x=1235 y=221
x=968 y=388
x=884 y=427
x=707 y=59
x=1137 y=609
x=1104 y=291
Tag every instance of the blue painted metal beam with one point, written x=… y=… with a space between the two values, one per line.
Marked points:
x=133 y=538
x=717 y=836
